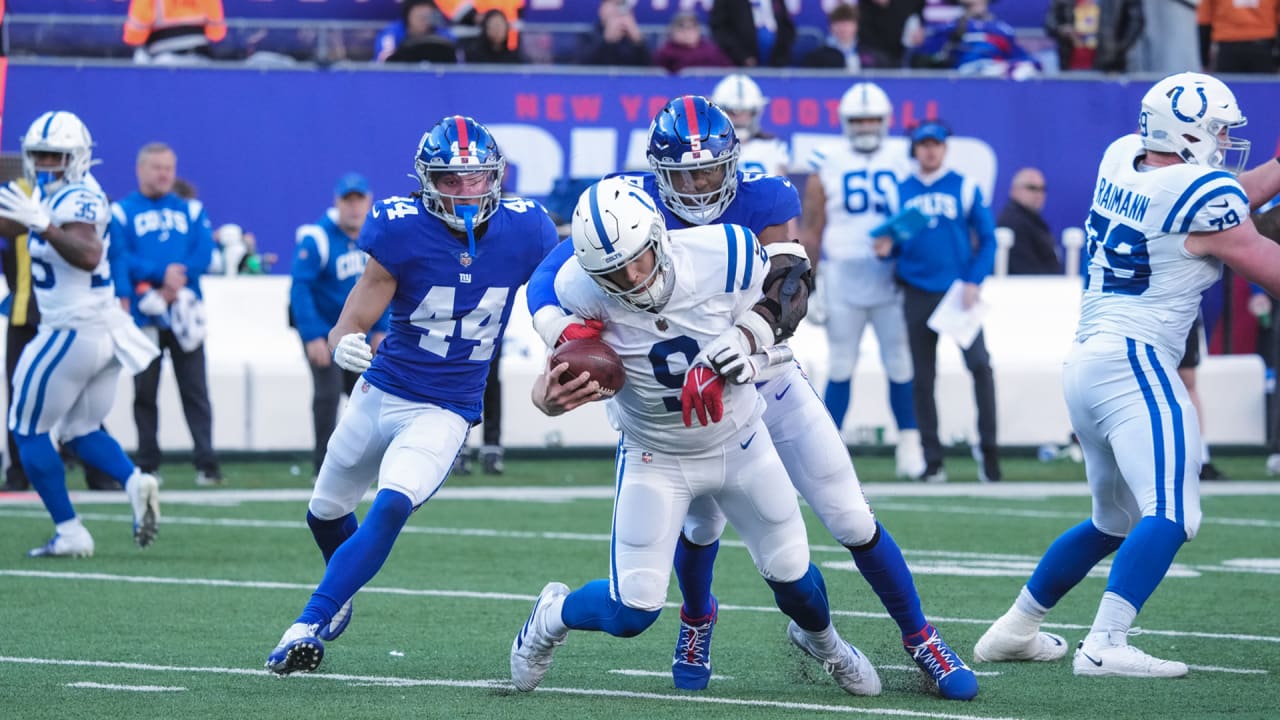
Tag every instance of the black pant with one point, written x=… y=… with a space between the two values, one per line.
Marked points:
x=328 y=385
x=189 y=371
x=1252 y=56
x=918 y=305
x=493 y=402
x=15 y=341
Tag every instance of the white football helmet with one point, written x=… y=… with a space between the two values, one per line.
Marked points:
x=738 y=93
x=57 y=131
x=1190 y=115
x=614 y=224
x=865 y=101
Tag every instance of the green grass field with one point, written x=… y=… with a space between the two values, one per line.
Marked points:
x=182 y=628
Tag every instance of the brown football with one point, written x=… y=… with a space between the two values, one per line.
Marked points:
x=595 y=357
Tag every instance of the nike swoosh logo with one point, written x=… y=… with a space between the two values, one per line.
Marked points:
x=785 y=390
x=1222 y=204
x=747 y=444
x=1090 y=659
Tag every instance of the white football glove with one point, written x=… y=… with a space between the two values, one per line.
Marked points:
x=29 y=211
x=730 y=356
x=353 y=353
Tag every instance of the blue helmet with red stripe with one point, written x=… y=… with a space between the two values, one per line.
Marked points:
x=460 y=166
x=693 y=152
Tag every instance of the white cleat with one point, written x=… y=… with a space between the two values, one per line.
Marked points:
x=1004 y=641
x=299 y=650
x=533 y=647
x=909 y=455
x=1098 y=656
x=851 y=670
x=143 y=490
x=74 y=543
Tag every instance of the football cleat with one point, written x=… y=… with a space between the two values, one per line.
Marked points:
x=909 y=455
x=533 y=646
x=76 y=543
x=299 y=650
x=933 y=473
x=851 y=670
x=1099 y=656
x=1009 y=640
x=208 y=479
x=491 y=460
x=337 y=625
x=143 y=490
x=943 y=666
x=691 y=665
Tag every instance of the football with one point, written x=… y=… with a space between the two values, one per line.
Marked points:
x=595 y=357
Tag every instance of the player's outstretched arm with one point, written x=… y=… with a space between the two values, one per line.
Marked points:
x=365 y=304
x=1261 y=183
x=1245 y=250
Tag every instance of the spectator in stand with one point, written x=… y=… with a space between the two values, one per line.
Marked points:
x=926 y=16
x=474 y=12
x=1238 y=37
x=415 y=38
x=977 y=43
x=616 y=40
x=491 y=46
x=686 y=46
x=173 y=31
x=1034 y=251
x=1095 y=34
x=881 y=26
x=754 y=32
x=842 y=49
x=1169 y=42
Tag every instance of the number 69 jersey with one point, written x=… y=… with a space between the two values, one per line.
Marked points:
x=718 y=272
x=1141 y=282
x=67 y=295
x=452 y=299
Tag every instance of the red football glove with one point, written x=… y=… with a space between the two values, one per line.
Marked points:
x=703 y=392
x=589 y=329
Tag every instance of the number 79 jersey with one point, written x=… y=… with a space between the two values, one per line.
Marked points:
x=67 y=295
x=1141 y=282
x=452 y=301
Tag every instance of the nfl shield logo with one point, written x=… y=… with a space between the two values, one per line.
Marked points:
x=646 y=457
x=465 y=259
x=364 y=386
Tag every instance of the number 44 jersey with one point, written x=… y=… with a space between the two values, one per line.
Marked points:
x=452 y=299
x=1142 y=283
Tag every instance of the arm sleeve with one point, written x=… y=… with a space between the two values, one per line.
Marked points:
x=199 y=241
x=984 y=226
x=305 y=273
x=541 y=291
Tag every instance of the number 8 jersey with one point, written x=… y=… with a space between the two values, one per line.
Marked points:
x=1141 y=281
x=67 y=295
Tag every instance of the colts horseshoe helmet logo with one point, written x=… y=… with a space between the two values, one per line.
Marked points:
x=1176 y=94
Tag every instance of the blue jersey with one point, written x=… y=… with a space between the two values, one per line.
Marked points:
x=943 y=251
x=326 y=264
x=452 y=302
x=761 y=201
x=154 y=233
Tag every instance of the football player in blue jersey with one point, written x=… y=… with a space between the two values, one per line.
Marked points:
x=693 y=152
x=1170 y=206
x=65 y=381
x=448 y=261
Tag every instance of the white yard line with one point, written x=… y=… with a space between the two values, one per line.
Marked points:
x=131 y=688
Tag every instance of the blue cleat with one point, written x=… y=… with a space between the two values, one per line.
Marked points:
x=942 y=665
x=299 y=651
x=337 y=625
x=691 y=665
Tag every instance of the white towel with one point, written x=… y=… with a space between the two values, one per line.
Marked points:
x=187 y=320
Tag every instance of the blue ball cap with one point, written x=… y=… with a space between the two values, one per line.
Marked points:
x=931 y=130
x=351 y=183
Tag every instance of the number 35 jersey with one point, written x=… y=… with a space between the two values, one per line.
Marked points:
x=1142 y=283
x=452 y=300
x=67 y=295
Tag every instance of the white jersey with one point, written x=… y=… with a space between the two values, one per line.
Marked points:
x=767 y=156
x=718 y=271
x=861 y=191
x=1142 y=283
x=67 y=295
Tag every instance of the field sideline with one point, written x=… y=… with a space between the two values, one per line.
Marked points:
x=182 y=629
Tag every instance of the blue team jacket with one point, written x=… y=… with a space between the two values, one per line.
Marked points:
x=151 y=234
x=326 y=264
x=959 y=241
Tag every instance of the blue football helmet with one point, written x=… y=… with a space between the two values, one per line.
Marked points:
x=459 y=148
x=693 y=152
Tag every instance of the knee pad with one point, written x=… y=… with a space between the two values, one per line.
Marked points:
x=787 y=563
x=854 y=527
x=644 y=589
x=327 y=508
x=704 y=524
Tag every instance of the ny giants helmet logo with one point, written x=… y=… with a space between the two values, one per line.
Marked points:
x=1176 y=94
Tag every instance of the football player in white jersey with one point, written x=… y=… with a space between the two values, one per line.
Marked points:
x=1168 y=210
x=740 y=97
x=852 y=189
x=65 y=380
x=663 y=301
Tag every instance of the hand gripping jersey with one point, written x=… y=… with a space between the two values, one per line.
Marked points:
x=67 y=295
x=452 y=300
x=718 y=274
x=1141 y=281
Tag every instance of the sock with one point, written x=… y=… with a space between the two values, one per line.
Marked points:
x=1144 y=558
x=46 y=474
x=902 y=404
x=356 y=561
x=804 y=600
x=329 y=534
x=1027 y=605
x=836 y=398
x=590 y=608
x=1068 y=560
x=693 y=565
x=103 y=452
x=1115 y=614
x=882 y=566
